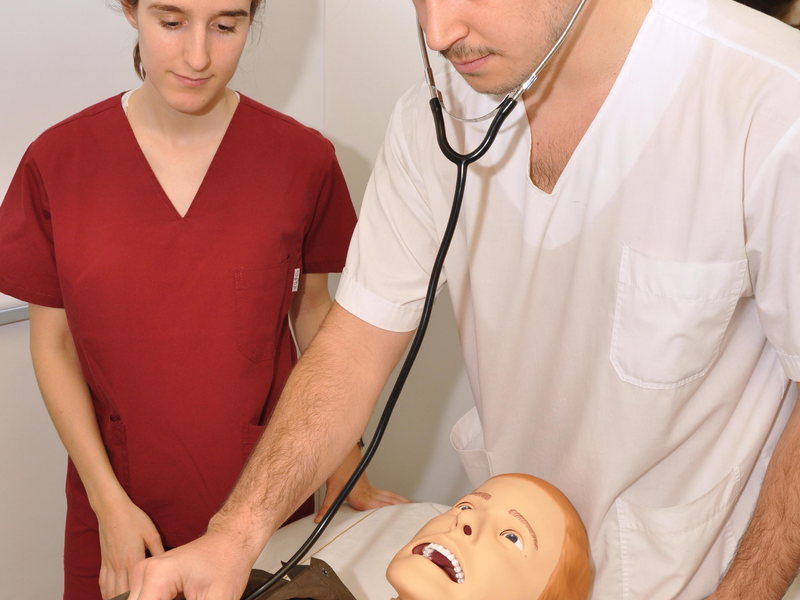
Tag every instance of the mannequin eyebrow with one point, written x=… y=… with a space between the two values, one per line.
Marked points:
x=519 y=517
x=170 y=8
x=483 y=495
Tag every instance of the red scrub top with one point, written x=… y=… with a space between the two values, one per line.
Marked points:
x=180 y=323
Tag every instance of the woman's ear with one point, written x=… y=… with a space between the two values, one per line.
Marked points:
x=130 y=13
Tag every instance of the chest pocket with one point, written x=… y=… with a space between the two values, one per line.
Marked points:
x=670 y=318
x=262 y=296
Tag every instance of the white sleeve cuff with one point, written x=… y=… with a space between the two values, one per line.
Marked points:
x=791 y=365
x=373 y=309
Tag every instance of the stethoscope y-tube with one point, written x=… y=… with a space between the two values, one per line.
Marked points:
x=462 y=162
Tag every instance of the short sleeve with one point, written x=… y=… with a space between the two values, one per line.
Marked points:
x=332 y=221
x=772 y=222
x=395 y=243
x=27 y=254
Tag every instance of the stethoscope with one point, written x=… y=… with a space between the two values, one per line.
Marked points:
x=462 y=162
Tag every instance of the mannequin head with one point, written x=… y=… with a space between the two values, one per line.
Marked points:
x=516 y=537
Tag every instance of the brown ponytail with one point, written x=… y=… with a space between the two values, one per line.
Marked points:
x=137 y=62
x=131 y=5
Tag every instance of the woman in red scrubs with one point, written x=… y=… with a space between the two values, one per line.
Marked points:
x=165 y=239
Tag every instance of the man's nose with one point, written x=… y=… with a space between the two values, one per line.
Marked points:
x=443 y=23
x=197 y=53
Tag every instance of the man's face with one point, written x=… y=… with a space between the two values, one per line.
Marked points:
x=494 y=44
x=502 y=541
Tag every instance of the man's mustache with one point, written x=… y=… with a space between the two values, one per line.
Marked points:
x=461 y=52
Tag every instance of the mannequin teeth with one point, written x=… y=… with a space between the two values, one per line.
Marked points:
x=428 y=553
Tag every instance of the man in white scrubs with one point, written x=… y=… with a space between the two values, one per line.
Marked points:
x=626 y=281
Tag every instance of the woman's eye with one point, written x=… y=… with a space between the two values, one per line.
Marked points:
x=170 y=24
x=226 y=28
x=514 y=539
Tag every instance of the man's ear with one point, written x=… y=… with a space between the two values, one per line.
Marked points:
x=130 y=13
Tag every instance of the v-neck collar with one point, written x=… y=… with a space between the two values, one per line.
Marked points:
x=607 y=106
x=150 y=174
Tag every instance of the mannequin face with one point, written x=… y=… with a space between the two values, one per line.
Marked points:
x=502 y=541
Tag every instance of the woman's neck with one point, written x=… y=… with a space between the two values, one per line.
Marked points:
x=150 y=112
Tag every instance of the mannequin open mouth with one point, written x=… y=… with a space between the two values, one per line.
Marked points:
x=442 y=558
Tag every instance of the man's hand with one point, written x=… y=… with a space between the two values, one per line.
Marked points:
x=213 y=567
x=125 y=532
x=363 y=496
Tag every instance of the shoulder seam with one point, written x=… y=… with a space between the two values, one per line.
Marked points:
x=732 y=45
x=264 y=110
x=78 y=117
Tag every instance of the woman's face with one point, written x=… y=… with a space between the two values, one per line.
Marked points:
x=190 y=48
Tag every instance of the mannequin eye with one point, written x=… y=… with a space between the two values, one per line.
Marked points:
x=463 y=507
x=514 y=539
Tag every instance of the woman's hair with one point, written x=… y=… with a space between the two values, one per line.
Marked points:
x=571 y=578
x=137 y=55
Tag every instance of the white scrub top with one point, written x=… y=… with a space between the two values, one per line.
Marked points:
x=629 y=337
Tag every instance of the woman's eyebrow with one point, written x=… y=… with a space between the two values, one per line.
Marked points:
x=516 y=514
x=171 y=8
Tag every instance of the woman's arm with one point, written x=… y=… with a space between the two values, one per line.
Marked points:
x=125 y=530
x=309 y=309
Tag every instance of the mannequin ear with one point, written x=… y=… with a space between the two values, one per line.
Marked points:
x=130 y=13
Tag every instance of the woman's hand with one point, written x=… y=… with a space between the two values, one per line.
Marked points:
x=363 y=496
x=125 y=532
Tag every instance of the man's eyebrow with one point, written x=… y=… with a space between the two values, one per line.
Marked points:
x=171 y=8
x=518 y=516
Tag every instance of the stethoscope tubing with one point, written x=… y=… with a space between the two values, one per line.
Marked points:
x=462 y=162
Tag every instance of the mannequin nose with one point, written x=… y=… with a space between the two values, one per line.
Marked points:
x=467 y=530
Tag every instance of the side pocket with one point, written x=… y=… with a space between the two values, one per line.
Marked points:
x=466 y=437
x=259 y=301
x=663 y=548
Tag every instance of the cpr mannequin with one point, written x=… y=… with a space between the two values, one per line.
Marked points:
x=516 y=537
x=352 y=555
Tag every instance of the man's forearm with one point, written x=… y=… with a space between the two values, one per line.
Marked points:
x=769 y=554
x=323 y=410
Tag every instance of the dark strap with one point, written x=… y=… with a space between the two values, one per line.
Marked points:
x=315 y=582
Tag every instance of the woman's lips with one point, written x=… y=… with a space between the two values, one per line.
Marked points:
x=188 y=81
x=471 y=66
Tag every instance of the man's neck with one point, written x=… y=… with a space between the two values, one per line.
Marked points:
x=595 y=50
x=565 y=101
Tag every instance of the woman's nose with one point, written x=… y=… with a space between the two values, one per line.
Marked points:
x=197 y=53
